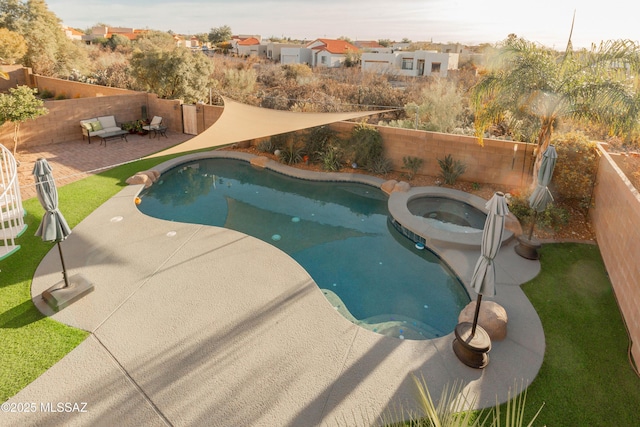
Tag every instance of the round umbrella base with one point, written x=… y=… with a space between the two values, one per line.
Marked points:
x=472 y=349
x=528 y=248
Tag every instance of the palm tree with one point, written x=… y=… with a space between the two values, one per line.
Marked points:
x=532 y=88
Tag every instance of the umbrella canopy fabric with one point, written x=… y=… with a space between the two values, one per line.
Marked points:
x=54 y=227
x=483 y=279
x=541 y=195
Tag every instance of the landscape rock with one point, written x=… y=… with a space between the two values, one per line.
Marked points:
x=492 y=317
x=153 y=175
x=388 y=186
x=140 y=178
x=402 y=186
x=260 y=161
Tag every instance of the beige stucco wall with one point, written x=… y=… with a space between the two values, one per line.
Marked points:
x=616 y=221
x=71 y=89
x=62 y=123
x=493 y=162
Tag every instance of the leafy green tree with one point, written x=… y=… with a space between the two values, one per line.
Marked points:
x=220 y=34
x=118 y=41
x=18 y=106
x=12 y=46
x=49 y=51
x=172 y=74
x=155 y=40
x=538 y=87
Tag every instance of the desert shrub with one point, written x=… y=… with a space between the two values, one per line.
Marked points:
x=553 y=217
x=381 y=166
x=46 y=94
x=291 y=153
x=317 y=140
x=331 y=158
x=411 y=164
x=265 y=146
x=576 y=167
x=450 y=169
x=366 y=143
x=278 y=142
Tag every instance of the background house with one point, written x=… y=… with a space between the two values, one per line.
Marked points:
x=415 y=64
x=274 y=50
x=329 y=52
x=250 y=47
x=295 y=55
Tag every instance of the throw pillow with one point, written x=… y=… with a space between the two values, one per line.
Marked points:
x=87 y=126
x=96 y=126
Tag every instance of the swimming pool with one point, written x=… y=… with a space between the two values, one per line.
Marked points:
x=338 y=232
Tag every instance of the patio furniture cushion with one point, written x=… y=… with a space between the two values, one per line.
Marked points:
x=98 y=125
x=108 y=122
x=155 y=123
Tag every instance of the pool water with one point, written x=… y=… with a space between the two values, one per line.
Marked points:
x=448 y=214
x=338 y=232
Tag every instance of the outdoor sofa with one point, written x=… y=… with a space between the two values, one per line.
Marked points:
x=98 y=126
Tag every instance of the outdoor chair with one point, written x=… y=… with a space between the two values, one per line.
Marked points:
x=154 y=126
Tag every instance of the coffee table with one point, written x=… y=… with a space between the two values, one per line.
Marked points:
x=122 y=134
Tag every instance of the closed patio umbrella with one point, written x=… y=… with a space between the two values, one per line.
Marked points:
x=472 y=342
x=538 y=202
x=484 y=274
x=54 y=228
x=541 y=195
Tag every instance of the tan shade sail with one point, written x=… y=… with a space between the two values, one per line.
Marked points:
x=241 y=122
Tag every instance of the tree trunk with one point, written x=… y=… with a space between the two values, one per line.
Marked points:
x=544 y=139
x=16 y=130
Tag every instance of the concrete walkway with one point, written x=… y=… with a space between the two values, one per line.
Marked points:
x=199 y=325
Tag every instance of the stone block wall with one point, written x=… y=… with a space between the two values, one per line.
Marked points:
x=615 y=217
x=493 y=162
x=18 y=76
x=62 y=123
x=73 y=90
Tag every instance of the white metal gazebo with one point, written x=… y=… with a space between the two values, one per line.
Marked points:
x=11 y=212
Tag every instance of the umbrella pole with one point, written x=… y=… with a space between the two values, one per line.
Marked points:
x=475 y=316
x=533 y=223
x=64 y=269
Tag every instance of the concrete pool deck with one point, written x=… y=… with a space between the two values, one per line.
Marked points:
x=201 y=325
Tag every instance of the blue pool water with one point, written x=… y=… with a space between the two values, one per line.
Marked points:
x=338 y=232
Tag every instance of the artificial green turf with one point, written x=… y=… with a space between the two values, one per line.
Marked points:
x=586 y=378
x=30 y=343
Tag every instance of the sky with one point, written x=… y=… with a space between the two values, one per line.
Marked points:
x=547 y=22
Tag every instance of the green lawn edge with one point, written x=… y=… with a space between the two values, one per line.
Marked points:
x=586 y=377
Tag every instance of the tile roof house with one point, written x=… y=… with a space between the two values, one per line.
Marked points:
x=251 y=47
x=319 y=53
x=102 y=31
x=72 y=33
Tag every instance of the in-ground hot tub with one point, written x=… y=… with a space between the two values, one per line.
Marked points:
x=448 y=213
x=437 y=216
